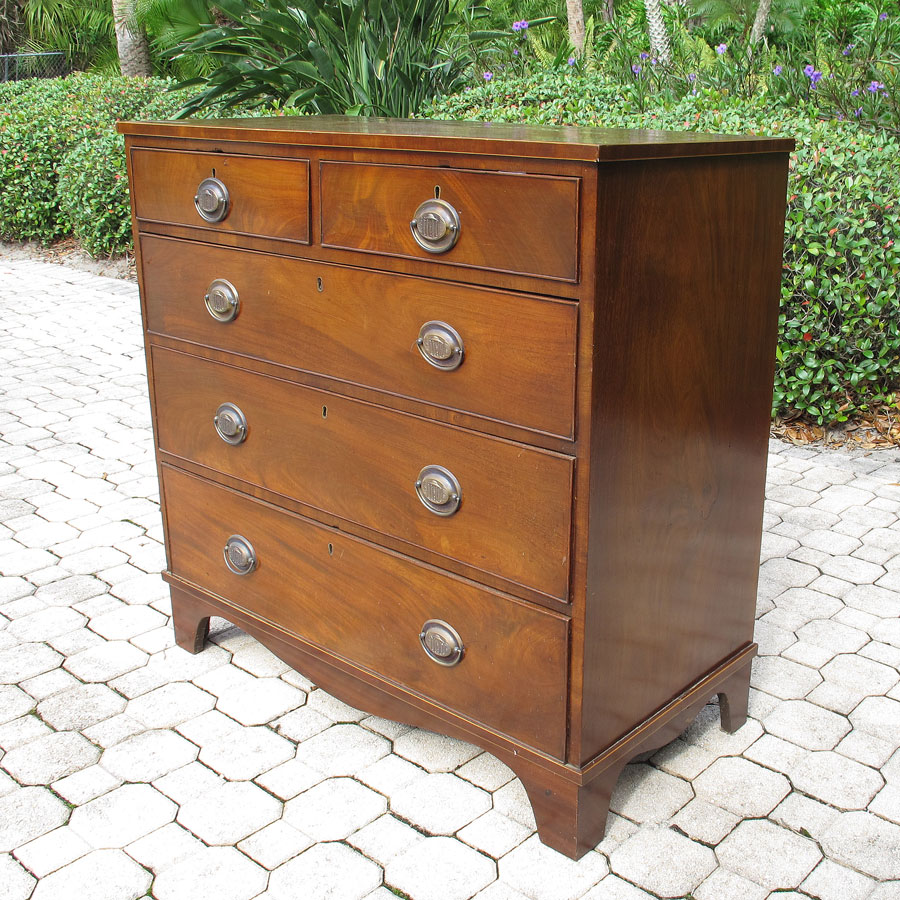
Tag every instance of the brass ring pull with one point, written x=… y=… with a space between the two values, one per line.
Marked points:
x=222 y=300
x=440 y=345
x=240 y=556
x=230 y=424
x=439 y=490
x=441 y=642
x=212 y=200
x=435 y=226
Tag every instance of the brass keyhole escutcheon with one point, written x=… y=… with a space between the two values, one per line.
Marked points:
x=441 y=642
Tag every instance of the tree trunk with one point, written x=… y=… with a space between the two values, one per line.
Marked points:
x=608 y=10
x=575 y=15
x=10 y=20
x=134 y=51
x=759 y=23
x=659 y=37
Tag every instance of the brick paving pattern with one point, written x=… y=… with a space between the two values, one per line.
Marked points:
x=129 y=768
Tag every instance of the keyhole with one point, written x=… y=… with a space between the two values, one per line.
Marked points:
x=331 y=549
x=437 y=192
x=320 y=285
x=324 y=412
x=213 y=173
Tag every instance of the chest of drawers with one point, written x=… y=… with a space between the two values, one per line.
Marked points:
x=468 y=423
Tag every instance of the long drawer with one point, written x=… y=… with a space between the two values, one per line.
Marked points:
x=247 y=195
x=362 y=463
x=502 y=221
x=515 y=360
x=370 y=607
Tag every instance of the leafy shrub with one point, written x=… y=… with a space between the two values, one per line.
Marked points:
x=41 y=121
x=336 y=56
x=839 y=337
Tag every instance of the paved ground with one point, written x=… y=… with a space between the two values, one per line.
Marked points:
x=130 y=768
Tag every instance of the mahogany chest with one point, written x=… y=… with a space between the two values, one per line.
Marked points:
x=468 y=422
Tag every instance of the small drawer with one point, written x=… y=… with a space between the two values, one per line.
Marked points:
x=370 y=607
x=387 y=471
x=249 y=195
x=509 y=357
x=501 y=221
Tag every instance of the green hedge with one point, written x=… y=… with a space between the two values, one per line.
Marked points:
x=61 y=162
x=63 y=172
x=839 y=340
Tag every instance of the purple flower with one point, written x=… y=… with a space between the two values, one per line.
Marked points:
x=515 y=52
x=645 y=56
x=808 y=71
x=847 y=49
x=854 y=93
x=721 y=49
x=520 y=26
x=777 y=70
x=488 y=76
x=653 y=61
x=874 y=87
x=882 y=17
x=636 y=69
x=571 y=60
x=857 y=112
x=692 y=77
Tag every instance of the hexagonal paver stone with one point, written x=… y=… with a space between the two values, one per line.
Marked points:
x=662 y=861
x=343 y=750
x=216 y=873
x=148 y=756
x=440 y=868
x=860 y=675
x=102 y=875
x=15 y=882
x=742 y=787
x=81 y=707
x=106 y=661
x=725 y=885
x=387 y=837
x=806 y=725
x=275 y=844
x=46 y=624
x=829 y=881
x=771 y=856
x=434 y=752
x=25 y=661
x=260 y=701
x=707 y=734
x=866 y=843
x=228 y=813
x=246 y=752
x=542 y=874
x=28 y=813
x=170 y=705
x=782 y=678
x=323 y=872
x=644 y=794
x=440 y=803
x=837 y=780
x=122 y=816
x=124 y=624
x=611 y=888
x=334 y=809
x=878 y=716
x=14 y=702
x=50 y=758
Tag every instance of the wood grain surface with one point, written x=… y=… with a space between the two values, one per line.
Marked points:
x=369 y=606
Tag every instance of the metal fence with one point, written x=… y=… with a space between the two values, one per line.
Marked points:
x=16 y=66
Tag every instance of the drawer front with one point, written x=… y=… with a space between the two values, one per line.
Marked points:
x=361 y=462
x=369 y=606
x=265 y=197
x=518 y=352
x=508 y=222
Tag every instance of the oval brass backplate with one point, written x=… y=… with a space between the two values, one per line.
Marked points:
x=441 y=642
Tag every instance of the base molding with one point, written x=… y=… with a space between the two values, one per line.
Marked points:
x=570 y=803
